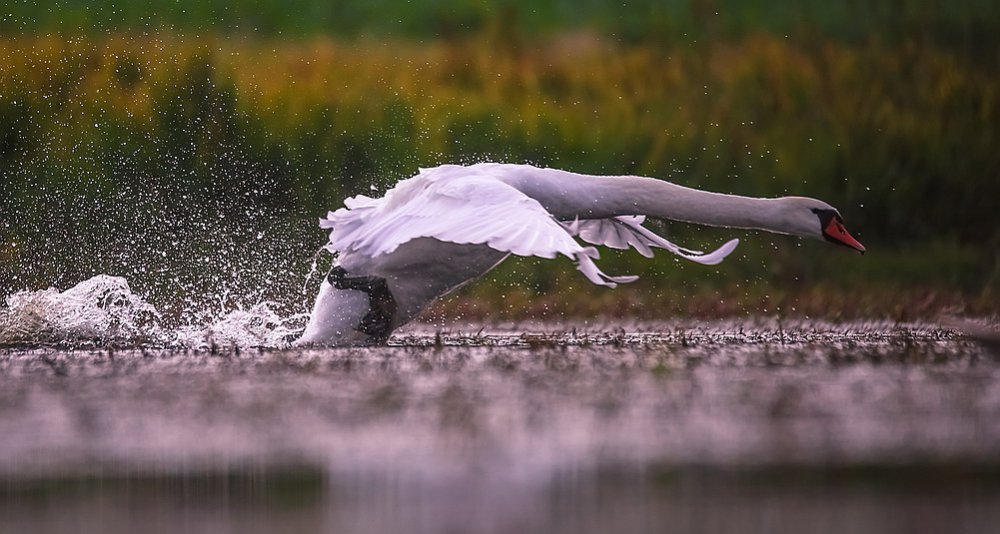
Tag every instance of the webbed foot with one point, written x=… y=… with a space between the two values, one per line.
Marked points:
x=377 y=323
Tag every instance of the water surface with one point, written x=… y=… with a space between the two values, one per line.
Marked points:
x=747 y=426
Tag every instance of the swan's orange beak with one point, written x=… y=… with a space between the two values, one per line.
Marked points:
x=836 y=233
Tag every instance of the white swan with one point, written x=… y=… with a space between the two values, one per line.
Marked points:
x=448 y=225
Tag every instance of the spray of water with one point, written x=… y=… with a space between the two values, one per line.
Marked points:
x=103 y=311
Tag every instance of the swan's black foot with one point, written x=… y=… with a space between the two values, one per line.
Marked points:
x=377 y=323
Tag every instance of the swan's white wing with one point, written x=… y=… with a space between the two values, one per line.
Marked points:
x=458 y=207
x=627 y=231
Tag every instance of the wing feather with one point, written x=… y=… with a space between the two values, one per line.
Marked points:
x=457 y=205
x=627 y=231
x=466 y=205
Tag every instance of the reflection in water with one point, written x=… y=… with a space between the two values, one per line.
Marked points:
x=725 y=427
x=244 y=500
x=938 y=498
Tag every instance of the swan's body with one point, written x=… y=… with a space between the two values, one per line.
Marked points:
x=451 y=224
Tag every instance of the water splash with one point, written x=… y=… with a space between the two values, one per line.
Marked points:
x=100 y=310
x=256 y=326
x=103 y=311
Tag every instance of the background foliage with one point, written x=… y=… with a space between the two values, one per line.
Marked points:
x=190 y=146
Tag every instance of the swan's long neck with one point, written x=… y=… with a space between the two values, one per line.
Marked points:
x=568 y=195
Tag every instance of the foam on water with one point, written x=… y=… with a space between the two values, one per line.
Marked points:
x=103 y=310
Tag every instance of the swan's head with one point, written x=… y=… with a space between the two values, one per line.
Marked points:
x=808 y=217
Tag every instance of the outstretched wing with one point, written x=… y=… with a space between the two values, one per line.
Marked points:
x=455 y=205
x=627 y=231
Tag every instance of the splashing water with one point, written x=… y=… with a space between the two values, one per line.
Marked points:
x=257 y=326
x=103 y=311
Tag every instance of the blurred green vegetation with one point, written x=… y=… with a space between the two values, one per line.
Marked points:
x=208 y=137
x=966 y=24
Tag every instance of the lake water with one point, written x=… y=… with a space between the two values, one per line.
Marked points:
x=744 y=426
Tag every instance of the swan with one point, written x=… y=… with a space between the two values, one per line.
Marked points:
x=448 y=225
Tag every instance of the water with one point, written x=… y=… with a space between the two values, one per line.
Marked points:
x=103 y=311
x=754 y=425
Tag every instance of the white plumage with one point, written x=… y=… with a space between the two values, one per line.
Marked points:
x=473 y=205
x=448 y=225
